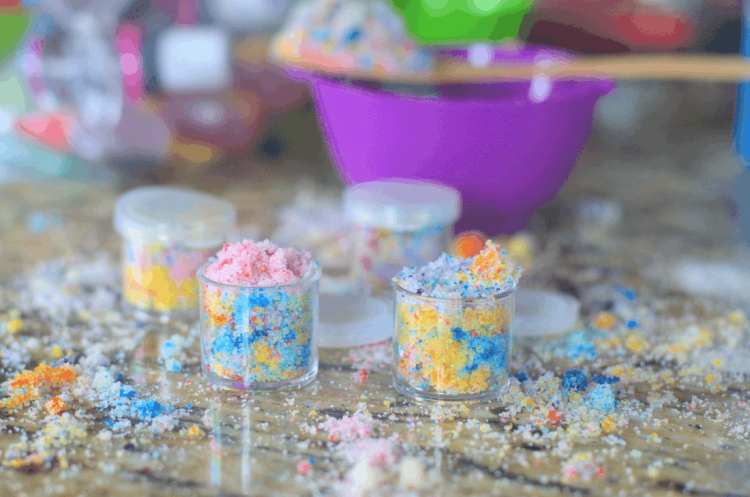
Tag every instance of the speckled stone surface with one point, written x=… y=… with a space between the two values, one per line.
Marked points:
x=672 y=202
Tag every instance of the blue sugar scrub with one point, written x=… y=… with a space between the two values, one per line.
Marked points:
x=600 y=379
x=574 y=379
x=521 y=376
x=602 y=397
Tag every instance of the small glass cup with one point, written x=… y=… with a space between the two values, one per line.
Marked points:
x=259 y=338
x=452 y=349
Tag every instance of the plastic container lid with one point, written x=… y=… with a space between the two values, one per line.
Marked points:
x=173 y=214
x=540 y=313
x=401 y=205
x=353 y=320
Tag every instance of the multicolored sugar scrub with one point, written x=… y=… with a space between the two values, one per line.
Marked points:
x=168 y=233
x=396 y=224
x=350 y=35
x=454 y=327
x=259 y=314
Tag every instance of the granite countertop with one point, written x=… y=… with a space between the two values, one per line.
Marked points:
x=682 y=423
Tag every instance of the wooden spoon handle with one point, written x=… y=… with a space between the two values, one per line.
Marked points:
x=685 y=67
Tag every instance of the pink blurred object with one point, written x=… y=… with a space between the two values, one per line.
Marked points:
x=233 y=120
x=278 y=93
x=129 y=39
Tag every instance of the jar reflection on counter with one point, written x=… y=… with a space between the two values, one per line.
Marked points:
x=168 y=234
x=398 y=223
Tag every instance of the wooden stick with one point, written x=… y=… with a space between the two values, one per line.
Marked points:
x=670 y=67
x=684 y=67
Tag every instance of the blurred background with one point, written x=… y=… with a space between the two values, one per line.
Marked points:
x=246 y=113
x=113 y=95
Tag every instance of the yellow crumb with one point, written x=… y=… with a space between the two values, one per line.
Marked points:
x=737 y=318
x=57 y=352
x=635 y=342
x=195 y=431
x=604 y=320
x=14 y=325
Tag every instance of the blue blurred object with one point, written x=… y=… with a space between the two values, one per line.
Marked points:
x=742 y=114
x=741 y=185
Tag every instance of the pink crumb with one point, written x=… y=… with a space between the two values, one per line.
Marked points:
x=259 y=264
x=348 y=427
x=362 y=375
x=304 y=467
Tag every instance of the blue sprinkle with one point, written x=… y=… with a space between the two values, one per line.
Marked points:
x=600 y=379
x=574 y=379
x=127 y=391
x=579 y=345
x=352 y=36
x=109 y=422
x=189 y=406
x=628 y=293
x=312 y=460
x=602 y=398
x=521 y=376
x=120 y=376
x=632 y=324
x=146 y=409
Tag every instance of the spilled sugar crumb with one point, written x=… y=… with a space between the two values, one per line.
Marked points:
x=610 y=399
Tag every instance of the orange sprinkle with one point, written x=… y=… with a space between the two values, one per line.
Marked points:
x=470 y=244
x=489 y=264
x=553 y=416
x=55 y=405
x=44 y=374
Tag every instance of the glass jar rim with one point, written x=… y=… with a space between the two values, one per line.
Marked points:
x=477 y=300
x=277 y=288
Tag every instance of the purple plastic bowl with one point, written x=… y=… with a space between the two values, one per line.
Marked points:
x=505 y=153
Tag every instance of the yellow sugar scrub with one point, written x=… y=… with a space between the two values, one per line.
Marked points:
x=453 y=327
x=168 y=233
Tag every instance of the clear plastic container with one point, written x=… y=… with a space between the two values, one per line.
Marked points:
x=398 y=223
x=452 y=349
x=259 y=338
x=168 y=233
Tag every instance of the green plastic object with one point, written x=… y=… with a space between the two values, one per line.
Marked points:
x=450 y=22
x=12 y=29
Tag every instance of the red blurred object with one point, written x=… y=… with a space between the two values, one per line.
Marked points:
x=626 y=23
x=573 y=38
x=52 y=130
x=233 y=120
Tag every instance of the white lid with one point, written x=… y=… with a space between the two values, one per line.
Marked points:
x=401 y=205
x=194 y=59
x=174 y=214
x=540 y=312
x=353 y=320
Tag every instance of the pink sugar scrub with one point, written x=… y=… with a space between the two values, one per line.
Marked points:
x=262 y=264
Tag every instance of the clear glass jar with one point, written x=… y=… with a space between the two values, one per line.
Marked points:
x=259 y=338
x=168 y=234
x=452 y=349
x=381 y=253
x=398 y=223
